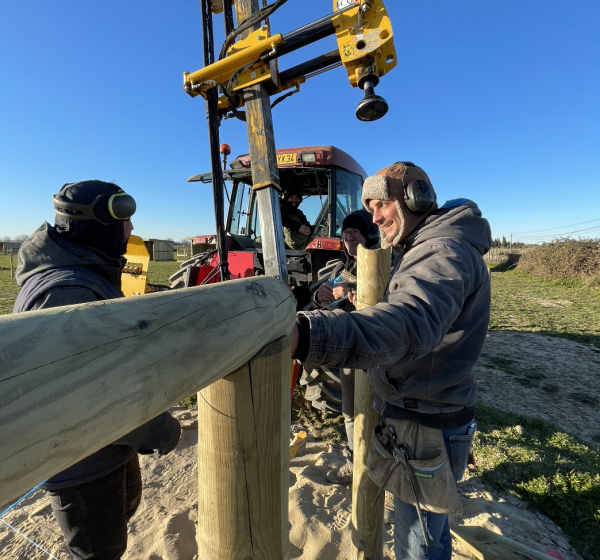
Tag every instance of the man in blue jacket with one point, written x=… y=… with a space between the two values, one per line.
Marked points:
x=79 y=260
x=421 y=342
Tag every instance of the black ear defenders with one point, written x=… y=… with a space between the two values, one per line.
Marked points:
x=120 y=206
x=419 y=196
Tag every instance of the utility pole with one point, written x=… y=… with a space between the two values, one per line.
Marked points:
x=510 y=246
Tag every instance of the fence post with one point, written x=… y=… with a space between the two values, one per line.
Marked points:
x=243 y=460
x=373 y=275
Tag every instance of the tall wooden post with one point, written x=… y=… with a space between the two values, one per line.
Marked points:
x=373 y=275
x=244 y=420
x=243 y=456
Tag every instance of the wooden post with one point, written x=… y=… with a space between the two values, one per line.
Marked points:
x=74 y=379
x=11 y=265
x=244 y=420
x=373 y=275
x=243 y=460
x=263 y=158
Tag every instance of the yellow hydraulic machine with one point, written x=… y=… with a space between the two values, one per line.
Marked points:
x=134 y=280
x=365 y=47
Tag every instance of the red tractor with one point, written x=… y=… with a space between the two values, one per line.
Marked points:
x=330 y=183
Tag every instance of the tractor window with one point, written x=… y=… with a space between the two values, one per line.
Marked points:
x=239 y=202
x=255 y=221
x=234 y=206
x=315 y=209
x=348 y=188
x=314 y=186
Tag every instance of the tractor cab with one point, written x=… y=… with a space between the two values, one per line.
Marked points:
x=330 y=182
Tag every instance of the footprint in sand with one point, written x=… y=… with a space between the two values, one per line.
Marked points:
x=341 y=520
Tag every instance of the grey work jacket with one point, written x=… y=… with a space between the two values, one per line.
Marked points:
x=420 y=344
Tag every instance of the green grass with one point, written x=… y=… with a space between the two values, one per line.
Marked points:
x=555 y=472
x=159 y=272
x=319 y=424
x=8 y=287
x=516 y=305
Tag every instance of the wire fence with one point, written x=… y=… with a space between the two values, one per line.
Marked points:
x=28 y=530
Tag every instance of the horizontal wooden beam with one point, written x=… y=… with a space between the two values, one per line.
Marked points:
x=74 y=379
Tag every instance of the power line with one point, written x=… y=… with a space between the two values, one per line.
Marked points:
x=555 y=235
x=558 y=227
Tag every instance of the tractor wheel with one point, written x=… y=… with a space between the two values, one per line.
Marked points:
x=323 y=389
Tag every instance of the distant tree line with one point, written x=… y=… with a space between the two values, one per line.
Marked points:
x=504 y=244
x=18 y=239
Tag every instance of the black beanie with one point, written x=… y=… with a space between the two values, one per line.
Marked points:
x=108 y=239
x=360 y=220
x=291 y=191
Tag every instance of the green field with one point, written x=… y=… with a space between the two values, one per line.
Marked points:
x=535 y=460
x=8 y=288
x=158 y=274
x=559 y=308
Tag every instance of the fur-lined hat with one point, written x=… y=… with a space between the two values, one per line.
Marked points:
x=390 y=184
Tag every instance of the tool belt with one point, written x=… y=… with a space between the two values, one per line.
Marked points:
x=410 y=461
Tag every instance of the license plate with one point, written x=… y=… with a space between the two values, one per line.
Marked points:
x=282 y=159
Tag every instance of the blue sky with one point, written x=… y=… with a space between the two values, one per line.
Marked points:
x=497 y=101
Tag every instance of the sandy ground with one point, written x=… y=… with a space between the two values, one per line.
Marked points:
x=164 y=526
x=569 y=369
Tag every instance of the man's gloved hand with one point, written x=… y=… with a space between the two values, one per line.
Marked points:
x=159 y=434
x=174 y=438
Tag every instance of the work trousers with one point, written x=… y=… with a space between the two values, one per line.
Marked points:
x=409 y=543
x=93 y=516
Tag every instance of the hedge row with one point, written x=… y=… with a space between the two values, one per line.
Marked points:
x=564 y=259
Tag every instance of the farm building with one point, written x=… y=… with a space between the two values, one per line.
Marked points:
x=203 y=243
x=6 y=247
x=160 y=250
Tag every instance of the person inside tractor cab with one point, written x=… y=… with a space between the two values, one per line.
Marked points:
x=296 y=227
x=79 y=260
x=336 y=289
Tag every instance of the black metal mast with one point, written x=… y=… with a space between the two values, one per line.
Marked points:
x=213 y=138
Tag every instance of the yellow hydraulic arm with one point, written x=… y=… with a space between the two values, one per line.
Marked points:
x=365 y=47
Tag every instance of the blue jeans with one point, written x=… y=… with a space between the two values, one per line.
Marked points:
x=408 y=536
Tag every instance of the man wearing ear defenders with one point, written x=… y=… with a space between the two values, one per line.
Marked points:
x=419 y=346
x=79 y=260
